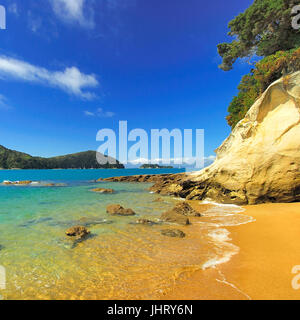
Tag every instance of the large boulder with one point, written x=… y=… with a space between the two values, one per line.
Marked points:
x=116 y=209
x=185 y=209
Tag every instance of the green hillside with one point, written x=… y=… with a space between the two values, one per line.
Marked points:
x=10 y=159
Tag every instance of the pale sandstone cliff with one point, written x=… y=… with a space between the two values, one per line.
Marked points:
x=260 y=160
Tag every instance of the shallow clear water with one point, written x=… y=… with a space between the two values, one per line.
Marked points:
x=121 y=260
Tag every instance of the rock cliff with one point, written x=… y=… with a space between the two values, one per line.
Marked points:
x=260 y=160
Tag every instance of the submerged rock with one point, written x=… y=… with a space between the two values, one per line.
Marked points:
x=158 y=200
x=89 y=222
x=103 y=190
x=116 y=209
x=35 y=221
x=173 y=233
x=145 y=222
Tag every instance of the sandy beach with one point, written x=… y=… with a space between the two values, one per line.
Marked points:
x=268 y=250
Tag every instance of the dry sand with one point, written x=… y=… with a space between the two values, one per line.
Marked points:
x=269 y=249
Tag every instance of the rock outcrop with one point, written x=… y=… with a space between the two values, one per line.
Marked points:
x=117 y=210
x=103 y=190
x=185 y=209
x=77 y=232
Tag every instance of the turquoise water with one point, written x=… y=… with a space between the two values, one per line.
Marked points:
x=120 y=260
x=41 y=263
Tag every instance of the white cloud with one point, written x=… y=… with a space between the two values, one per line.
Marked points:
x=100 y=113
x=70 y=80
x=185 y=160
x=74 y=11
x=89 y=114
x=3 y=103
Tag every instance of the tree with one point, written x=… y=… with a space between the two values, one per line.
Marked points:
x=262 y=30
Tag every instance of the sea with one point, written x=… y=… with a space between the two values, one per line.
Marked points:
x=120 y=260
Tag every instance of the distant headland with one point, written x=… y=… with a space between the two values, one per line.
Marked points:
x=11 y=159
x=155 y=166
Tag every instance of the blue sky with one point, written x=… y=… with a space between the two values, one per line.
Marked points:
x=69 y=68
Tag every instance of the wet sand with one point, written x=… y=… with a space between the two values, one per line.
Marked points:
x=269 y=249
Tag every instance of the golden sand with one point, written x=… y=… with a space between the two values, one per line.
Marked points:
x=269 y=249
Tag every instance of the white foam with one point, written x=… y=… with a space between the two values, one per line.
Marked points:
x=220 y=235
x=212 y=263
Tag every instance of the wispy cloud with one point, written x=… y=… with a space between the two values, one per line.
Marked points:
x=4 y=103
x=100 y=113
x=13 y=8
x=74 y=11
x=34 y=23
x=70 y=80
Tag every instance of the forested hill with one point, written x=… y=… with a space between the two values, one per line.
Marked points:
x=10 y=159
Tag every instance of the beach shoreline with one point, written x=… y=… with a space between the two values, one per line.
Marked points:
x=262 y=269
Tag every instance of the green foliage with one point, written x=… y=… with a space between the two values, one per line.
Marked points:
x=255 y=83
x=10 y=159
x=263 y=29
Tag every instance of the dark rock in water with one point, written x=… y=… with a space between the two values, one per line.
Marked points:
x=116 y=209
x=145 y=222
x=85 y=222
x=180 y=213
x=173 y=233
x=35 y=221
x=103 y=190
x=88 y=222
x=77 y=232
x=137 y=178
x=185 y=209
x=174 y=217
x=158 y=200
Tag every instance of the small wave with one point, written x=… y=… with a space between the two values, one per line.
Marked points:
x=226 y=215
x=220 y=235
x=212 y=263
